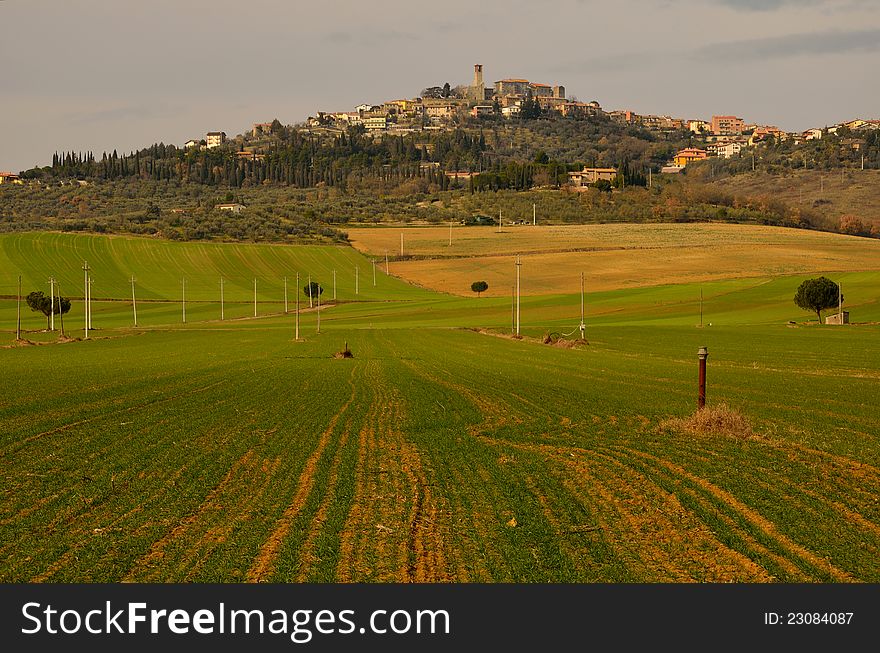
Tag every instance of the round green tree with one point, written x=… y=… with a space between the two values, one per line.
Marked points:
x=817 y=295
x=479 y=287
x=39 y=302
x=313 y=290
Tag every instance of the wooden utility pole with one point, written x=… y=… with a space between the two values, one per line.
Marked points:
x=60 y=313
x=255 y=297
x=701 y=306
x=401 y=243
x=513 y=310
x=319 y=308
x=534 y=214
x=134 y=308
x=86 y=298
x=296 y=336
x=499 y=221
x=703 y=354
x=51 y=303
x=222 y=316
x=18 y=312
x=183 y=299
x=334 y=285
x=450 y=222
x=285 y=295
x=311 y=305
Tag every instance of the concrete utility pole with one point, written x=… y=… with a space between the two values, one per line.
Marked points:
x=183 y=300
x=374 y=273
x=518 y=266
x=134 y=308
x=285 y=295
x=450 y=222
x=513 y=310
x=334 y=285
x=357 y=285
x=583 y=326
x=650 y=179
x=401 y=243
x=387 y=271
x=51 y=303
x=499 y=221
x=89 y=304
x=255 y=297
x=311 y=305
x=222 y=316
x=296 y=336
x=18 y=312
x=534 y=214
x=86 y=269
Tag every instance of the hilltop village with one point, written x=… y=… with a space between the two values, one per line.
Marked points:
x=445 y=108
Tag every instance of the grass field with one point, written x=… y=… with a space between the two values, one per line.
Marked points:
x=611 y=256
x=224 y=451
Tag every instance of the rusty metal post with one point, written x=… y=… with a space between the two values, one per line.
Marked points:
x=701 y=396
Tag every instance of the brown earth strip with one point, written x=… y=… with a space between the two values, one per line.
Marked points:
x=264 y=564
x=752 y=516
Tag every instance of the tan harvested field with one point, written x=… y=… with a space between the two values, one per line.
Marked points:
x=612 y=256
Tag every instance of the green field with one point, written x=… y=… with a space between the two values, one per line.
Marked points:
x=225 y=451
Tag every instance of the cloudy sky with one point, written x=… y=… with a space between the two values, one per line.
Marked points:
x=104 y=74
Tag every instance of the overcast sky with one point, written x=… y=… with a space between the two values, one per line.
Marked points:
x=104 y=74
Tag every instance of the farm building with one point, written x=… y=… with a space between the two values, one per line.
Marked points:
x=838 y=318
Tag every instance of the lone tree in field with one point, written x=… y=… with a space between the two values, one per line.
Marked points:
x=817 y=295
x=479 y=287
x=313 y=290
x=38 y=302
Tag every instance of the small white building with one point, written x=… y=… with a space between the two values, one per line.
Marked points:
x=235 y=208
x=838 y=318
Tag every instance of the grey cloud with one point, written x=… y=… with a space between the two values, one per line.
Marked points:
x=793 y=45
x=369 y=38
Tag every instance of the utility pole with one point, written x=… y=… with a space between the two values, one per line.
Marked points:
x=222 y=316
x=134 y=308
x=863 y=162
x=334 y=285
x=319 y=309
x=753 y=161
x=401 y=243
x=513 y=310
x=285 y=295
x=518 y=266
x=534 y=214
x=374 y=273
x=86 y=269
x=703 y=354
x=701 y=306
x=18 y=312
x=89 y=304
x=450 y=222
x=52 y=303
x=311 y=305
x=650 y=179
x=357 y=285
x=387 y=271
x=296 y=337
x=60 y=314
x=583 y=326
x=255 y=297
x=183 y=300
x=499 y=221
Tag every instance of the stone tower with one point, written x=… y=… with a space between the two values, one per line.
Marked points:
x=478 y=92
